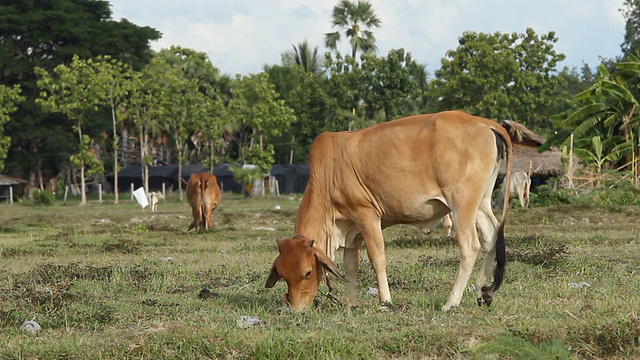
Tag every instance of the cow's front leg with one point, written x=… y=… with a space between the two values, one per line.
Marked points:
x=373 y=239
x=351 y=263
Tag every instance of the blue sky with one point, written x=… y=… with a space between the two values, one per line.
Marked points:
x=240 y=36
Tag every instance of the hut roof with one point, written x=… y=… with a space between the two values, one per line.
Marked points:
x=6 y=180
x=520 y=134
x=525 y=152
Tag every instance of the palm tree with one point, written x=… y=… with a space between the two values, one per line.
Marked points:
x=356 y=19
x=302 y=55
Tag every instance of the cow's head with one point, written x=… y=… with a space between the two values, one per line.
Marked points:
x=301 y=265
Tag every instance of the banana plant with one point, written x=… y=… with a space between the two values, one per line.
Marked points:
x=596 y=157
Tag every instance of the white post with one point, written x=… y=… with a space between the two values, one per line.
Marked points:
x=11 y=195
x=131 y=191
x=66 y=192
x=100 y=193
x=164 y=194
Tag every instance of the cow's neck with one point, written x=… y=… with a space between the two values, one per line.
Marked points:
x=316 y=218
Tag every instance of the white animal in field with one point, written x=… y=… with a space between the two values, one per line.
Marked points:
x=447 y=224
x=520 y=188
x=154 y=198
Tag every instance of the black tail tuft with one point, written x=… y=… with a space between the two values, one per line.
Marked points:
x=501 y=259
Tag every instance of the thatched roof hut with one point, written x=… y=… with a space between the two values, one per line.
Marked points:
x=525 y=152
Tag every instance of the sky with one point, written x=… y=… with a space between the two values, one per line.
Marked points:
x=241 y=36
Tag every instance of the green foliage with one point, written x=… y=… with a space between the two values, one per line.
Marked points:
x=546 y=195
x=246 y=176
x=257 y=106
x=521 y=349
x=9 y=100
x=503 y=76
x=614 y=189
x=393 y=87
x=43 y=197
x=609 y=110
x=357 y=20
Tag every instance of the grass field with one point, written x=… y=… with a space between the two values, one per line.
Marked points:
x=111 y=281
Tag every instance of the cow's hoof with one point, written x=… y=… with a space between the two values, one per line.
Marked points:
x=486 y=299
x=447 y=308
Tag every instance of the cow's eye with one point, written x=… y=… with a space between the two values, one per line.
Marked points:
x=307 y=275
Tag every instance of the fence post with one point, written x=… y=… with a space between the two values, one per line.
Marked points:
x=100 y=193
x=11 y=195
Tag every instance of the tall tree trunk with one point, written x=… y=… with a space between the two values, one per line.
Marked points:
x=115 y=155
x=179 y=148
x=83 y=191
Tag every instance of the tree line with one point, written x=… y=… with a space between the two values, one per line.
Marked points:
x=82 y=95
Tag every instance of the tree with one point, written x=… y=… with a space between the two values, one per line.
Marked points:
x=46 y=34
x=503 y=76
x=198 y=112
x=609 y=110
x=631 y=12
x=153 y=90
x=357 y=20
x=303 y=56
x=71 y=91
x=256 y=106
x=9 y=98
x=306 y=94
x=113 y=81
x=391 y=88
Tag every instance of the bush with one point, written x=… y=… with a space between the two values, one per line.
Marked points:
x=43 y=197
x=618 y=192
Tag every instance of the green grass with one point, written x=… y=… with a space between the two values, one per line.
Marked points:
x=114 y=281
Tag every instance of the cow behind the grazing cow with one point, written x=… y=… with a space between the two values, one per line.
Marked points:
x=204 y=196
x=520 y=188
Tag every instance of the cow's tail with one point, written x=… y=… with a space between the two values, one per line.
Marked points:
x=505 y=150
x=203 y=203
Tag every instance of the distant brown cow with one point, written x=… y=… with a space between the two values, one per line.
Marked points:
x=203 y=194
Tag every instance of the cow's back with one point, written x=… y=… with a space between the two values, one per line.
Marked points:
x=194 y=190
x=211 y=193
x=398 y=165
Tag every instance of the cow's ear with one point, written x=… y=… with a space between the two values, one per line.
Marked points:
x=328 y=263
x=274 y=276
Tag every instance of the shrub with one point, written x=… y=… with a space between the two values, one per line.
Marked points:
x=43 y=197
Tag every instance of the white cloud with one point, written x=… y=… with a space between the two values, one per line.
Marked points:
x=240 y=36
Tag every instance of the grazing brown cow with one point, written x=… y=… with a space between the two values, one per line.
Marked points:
x=413 y=170
x=204 y=195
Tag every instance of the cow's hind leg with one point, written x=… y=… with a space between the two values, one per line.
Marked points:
x=488 y=225
x=469 y=248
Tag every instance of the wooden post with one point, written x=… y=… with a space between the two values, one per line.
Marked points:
x=293 y=140
x=131 y=191
x=10 y=195
x=66 y=192
x=99 y=193
x=570 y=167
